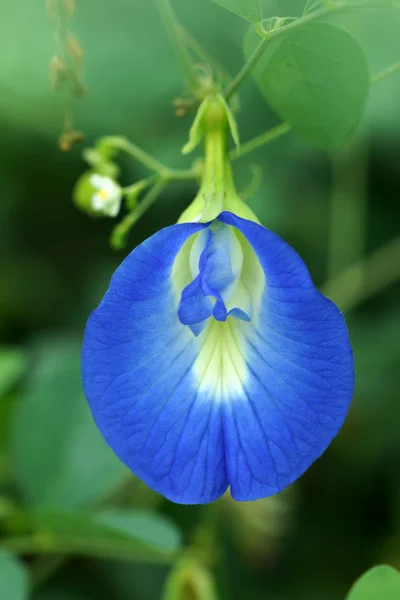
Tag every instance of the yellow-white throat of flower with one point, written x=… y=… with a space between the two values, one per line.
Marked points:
x=217 y=277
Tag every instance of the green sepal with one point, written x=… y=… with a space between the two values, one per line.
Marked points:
x=83 y=192
x=212 y=112
x=197 y=130
x=233 y=126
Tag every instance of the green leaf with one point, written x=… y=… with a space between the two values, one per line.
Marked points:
x=316 y=78
x=60 y=458
x=146 y=527
x=248 y=9
x=13 y=578
x=311 y=5
x=381 y=582
x=115 y=533
x=12 y=366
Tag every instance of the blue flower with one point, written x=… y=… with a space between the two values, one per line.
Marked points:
x=213 y=362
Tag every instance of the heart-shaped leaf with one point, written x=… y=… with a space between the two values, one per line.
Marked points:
x=247 y=9
x=381 y=583
x=60 y=458
x=316 y=78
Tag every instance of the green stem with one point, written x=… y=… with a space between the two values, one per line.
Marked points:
x=259 y=10
x=139 y=187
x=204 y=55
x=254 y=185
x=292 y=26
x=347 y=223
x=246 y=70
x=385 y=73
x=173 y=28
x=215 y=149
x=83 y=547
x=118 y=236
x=217 y=189
x=377 y=271
x=260 y=140
x=148 y=200
x=123 y=145
x=178 y=175
x=218 y=186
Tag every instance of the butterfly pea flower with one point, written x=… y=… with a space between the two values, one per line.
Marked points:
x=212 y=361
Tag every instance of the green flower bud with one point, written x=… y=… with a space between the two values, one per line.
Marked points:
x=97 y=195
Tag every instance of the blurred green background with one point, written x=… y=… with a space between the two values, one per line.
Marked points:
x=57 y=477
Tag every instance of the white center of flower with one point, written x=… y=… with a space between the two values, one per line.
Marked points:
x=107 y=198
x=219 y=283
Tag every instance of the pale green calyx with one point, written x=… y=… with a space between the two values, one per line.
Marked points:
x=213 y=124
x=213 y=111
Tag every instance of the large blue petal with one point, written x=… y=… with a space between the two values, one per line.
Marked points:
x=139 y=379
x=250 y=405
x=298 y=377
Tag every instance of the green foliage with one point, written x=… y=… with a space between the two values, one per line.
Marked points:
x=311 y=5
x=145 y=527
x=60 y=457
x=130 y=533
x=381 y=583
x=316 y=78
x=12 y=366
x=196 y=132
x=248 y=9
x=13 y=578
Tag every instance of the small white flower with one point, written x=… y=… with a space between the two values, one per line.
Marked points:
x=107 y=199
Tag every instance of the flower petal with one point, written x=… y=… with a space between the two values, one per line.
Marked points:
x=250 y=405
x=297 y=377
x=98 y=181
x=139 y=377
x=97 y=202
x=219 y=257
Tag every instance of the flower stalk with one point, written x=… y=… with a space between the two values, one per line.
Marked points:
x=214 y=123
